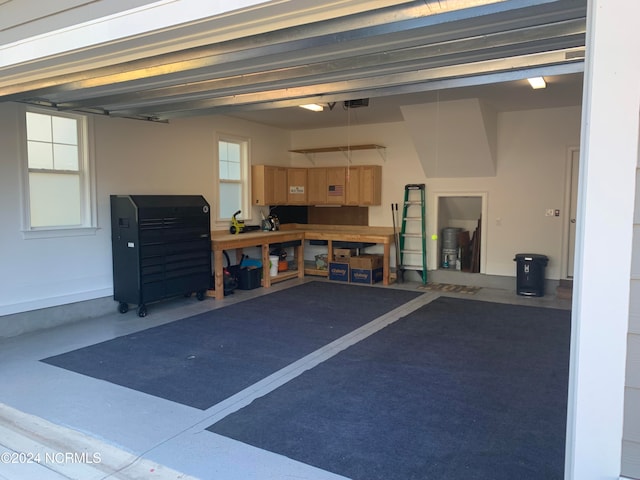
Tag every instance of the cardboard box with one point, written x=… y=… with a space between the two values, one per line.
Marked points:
x=339 y=271
x=367 y=276
x=366 y=261
x=343 y=254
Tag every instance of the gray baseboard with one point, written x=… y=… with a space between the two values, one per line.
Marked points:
x=19 y=323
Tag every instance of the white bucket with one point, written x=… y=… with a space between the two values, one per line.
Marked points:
x=273 y=265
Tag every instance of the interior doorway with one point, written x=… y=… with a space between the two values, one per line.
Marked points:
x=461 y=213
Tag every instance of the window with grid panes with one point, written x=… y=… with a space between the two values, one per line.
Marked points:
x=232 y=177
x=58 y=183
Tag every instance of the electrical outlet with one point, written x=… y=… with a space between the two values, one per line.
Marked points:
x=549 y=212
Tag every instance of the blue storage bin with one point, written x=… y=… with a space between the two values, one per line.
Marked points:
x=251 y=262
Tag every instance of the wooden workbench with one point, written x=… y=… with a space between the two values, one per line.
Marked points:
x=221 y=241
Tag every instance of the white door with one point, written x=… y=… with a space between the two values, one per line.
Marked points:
x=573 y=207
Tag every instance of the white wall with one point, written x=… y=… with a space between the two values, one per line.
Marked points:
x=175 y=158
x=532 y=156
x=531 y=176
x=130 y=157
x=139 y=157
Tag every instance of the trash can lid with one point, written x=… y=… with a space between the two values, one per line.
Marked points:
x=531 y=257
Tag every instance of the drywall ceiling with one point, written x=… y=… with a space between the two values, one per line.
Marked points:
x=412 y=52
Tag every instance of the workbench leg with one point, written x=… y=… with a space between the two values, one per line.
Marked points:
x=218 y=274
x=266 y=278
x=299 y=253
x=385 y=264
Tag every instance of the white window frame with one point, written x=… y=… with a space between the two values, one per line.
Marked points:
x=245 y=162
x=88 y=206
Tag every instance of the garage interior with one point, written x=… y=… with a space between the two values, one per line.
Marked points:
x=445 y=93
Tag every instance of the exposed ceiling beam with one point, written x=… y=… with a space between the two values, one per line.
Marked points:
x=349 y=89
x=549 y=37
x=438 y=84
x=379 y=50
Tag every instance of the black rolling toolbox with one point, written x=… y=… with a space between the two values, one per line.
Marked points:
x=161 y=247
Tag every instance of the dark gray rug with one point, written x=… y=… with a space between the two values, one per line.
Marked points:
x=459 y=389
x=201 y=360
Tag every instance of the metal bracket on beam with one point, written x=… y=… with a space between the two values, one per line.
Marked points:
x=347 y=153
x=382 y=151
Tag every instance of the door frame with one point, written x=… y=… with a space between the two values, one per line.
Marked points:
x=566 y=251
x=432 y=226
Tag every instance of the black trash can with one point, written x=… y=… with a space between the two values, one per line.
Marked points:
x=530 y=274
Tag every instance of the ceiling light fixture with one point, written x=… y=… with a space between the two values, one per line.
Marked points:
x=537 y=82
x=313 y=107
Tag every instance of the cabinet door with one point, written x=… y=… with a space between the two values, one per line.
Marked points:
x=370 y=185
x=317 y=182
x=268 y=185
x=279 y=186
x=297 y=186
x=261 y=184
x=364 y=185
x=353 y=186
x=336 y=189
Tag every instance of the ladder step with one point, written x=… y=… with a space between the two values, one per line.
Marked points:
x=414 y=235
x=411 y=267
x=411 y=251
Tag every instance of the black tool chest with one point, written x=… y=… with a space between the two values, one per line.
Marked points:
x=161 y=247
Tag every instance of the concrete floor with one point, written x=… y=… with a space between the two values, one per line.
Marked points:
x=56 y=424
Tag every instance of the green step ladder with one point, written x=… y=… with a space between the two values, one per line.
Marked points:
x=413 y=237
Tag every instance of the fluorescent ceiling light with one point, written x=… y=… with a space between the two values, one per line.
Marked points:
x=313 y=106
x=537 y=82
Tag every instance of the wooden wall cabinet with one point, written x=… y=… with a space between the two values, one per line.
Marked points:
x=326 y=186
x=355 y=185
x=297 y=190
x=364 y=185
x=268 y=185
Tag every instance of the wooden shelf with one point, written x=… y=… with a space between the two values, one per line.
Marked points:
x=284 y=276
x=346 y=149
x=311 y=269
